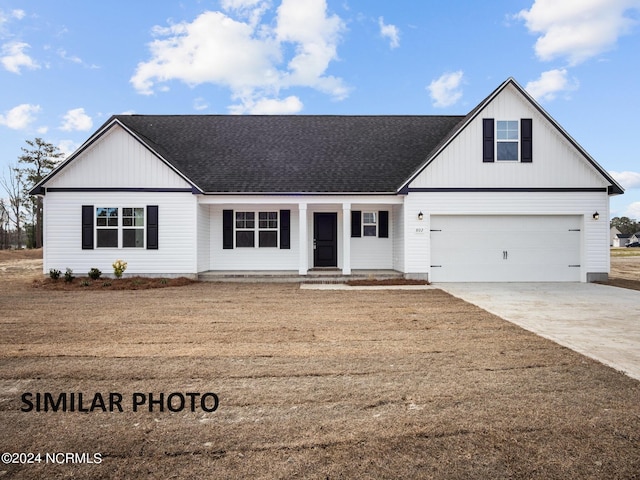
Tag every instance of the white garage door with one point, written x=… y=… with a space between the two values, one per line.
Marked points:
x=496 y=248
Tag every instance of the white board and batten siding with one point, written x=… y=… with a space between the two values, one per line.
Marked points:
x=556 y=162
x=560 y=188
x=118 y=161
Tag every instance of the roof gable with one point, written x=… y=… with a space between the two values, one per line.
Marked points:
x=292 y=154
x=559 y=161
x=303 y=154
x=106 y=162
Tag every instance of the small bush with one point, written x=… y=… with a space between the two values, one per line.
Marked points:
x=119 y=266
x=85 y=283
x=54 y=274
x=94 y=274
x=106 y=284
x=68 y=276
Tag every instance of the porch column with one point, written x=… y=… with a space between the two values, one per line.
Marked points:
x=346 y=239
x=303 y=241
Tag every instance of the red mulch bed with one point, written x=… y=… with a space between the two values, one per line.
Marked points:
x=387 y=281
x=127 y=283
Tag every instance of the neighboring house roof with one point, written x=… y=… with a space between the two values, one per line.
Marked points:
x=623 y=235
x=301 y=153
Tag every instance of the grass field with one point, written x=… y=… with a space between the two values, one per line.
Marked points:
x=311 y=384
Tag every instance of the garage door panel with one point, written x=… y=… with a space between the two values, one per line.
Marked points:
x=505 y=248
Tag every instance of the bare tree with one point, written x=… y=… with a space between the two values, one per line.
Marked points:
x=14 y=187
x=4 y=225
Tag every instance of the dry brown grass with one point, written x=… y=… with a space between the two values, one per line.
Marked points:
x=312 y=384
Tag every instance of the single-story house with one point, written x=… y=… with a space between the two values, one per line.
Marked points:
x=613 y=233
x=189 y=194
x=622 y=240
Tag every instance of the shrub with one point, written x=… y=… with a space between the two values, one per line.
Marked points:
x=85 y=283
x=54 y=274
x=68 y=275
x=106 y=284
x=119 y=266
x=94 y=274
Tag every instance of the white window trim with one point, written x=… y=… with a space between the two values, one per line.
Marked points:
x=120 y=227
x=256 y=228
x=517 y=142
x=376 y=218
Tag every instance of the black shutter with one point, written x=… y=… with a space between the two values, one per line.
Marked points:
x=227 y=229
x=356 y=221
x=87 y=227
x=285 y=229
x=152 y=227
x=383 y=231
x=487 y=140
x=526 y=147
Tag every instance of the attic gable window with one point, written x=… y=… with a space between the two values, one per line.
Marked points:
x=507 y=140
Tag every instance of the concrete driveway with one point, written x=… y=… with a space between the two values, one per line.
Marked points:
x=598 y=321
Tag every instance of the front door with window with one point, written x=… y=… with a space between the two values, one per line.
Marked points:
x=325 y=239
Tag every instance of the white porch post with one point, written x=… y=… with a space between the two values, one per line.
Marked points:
x=303 y=261
x=346 y=239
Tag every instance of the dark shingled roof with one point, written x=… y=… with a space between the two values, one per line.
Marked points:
x=296 y=153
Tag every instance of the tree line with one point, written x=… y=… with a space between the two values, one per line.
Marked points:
x=625 y=225
x=21 y=213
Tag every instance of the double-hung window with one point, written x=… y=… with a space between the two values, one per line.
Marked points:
x=107 y=227
x=369 y=224
x=245 y=229
x=119 y=227
x=133 y=227
x=507 y=140
x=266 y=229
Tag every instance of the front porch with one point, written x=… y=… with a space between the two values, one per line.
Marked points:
x=322 y=275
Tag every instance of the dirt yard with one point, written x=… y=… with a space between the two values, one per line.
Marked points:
x=311 y=384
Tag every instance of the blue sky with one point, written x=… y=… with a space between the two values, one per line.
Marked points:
x=67 y=65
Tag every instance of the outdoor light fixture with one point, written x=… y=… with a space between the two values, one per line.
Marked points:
x=596 y=216
x=420 y=216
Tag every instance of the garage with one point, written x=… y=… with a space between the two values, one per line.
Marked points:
x=505 y=248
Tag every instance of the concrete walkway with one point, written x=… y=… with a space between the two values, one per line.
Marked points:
x=598 y=321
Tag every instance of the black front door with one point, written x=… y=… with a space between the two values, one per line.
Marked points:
x=325 y=239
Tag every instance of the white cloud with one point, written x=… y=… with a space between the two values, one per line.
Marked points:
x=248 y=57
x=550 y=84
x=391 y=32
x=14 y=57
x=20 y=117
x=18 y=14
x=632 y=211
x=76 y=119
x=67 y=147
x=269 y=106
x=627 y=179
x=577 y=29
x=200 y=104
x=445 y=91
